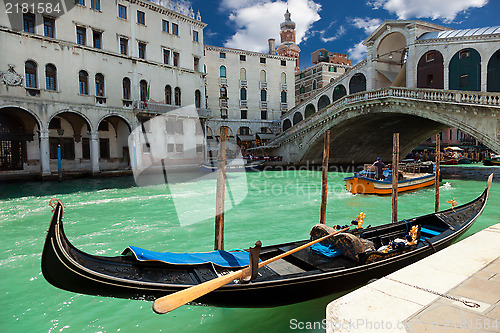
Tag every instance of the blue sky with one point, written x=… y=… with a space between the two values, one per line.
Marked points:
x=339 y=26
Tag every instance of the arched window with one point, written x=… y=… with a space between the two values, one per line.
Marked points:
x=493 y=79
x=30 y=69
x=83 y=82
x=262 y=76
x=126 y=88
x=315 y=85
x=283 y=78
x=222 y=71
x=197 y=99
x=168 y=94
x=223 y=92
x=283 y=97
x=143 y=90
x=99 y=85
x=50 y=77
x=302 y=90
x=263 y=95
x=243 y=74
x=177 y=95
x=243 y=94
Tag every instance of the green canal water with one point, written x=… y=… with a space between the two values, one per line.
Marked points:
x=103 y=216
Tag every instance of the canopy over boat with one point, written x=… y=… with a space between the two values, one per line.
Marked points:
x=364 y=254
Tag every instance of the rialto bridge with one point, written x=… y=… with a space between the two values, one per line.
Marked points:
x=418 y=79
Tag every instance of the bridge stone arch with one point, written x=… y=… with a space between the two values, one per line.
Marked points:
x=297 y=118
x=390 y=52
x=286 y=124
x=465 y=70
x=362 y=127
x=357 y=83
x=430 y=70
x=323 y=102
x=338 y=92
x=493 y=73
x=309 y=111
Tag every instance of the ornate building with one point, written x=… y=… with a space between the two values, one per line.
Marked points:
x=85 y=79
x=288 y=47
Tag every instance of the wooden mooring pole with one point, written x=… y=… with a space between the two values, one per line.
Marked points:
x=324 y=182
x=221 y=191
x=437 y=173
x=395 y=174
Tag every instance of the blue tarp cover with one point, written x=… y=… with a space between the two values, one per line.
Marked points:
x=221 y=258
x=325 y=250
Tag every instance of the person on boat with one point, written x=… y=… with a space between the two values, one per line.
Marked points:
x=379 y=168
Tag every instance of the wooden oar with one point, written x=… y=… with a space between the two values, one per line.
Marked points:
x=173 y=301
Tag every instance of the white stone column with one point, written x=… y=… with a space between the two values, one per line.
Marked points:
x=94 y=151
x=44 y=152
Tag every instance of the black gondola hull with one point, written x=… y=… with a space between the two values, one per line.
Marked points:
x=70 y=269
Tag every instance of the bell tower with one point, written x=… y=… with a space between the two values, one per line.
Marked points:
x=288 y=47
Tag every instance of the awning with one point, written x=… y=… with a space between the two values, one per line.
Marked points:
x=246 y=137
x=266 y=136
x=454 y=148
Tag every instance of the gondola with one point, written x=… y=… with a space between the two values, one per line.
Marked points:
x=301 y=276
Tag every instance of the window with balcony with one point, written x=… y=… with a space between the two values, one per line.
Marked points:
x=49 y=27
x=168 y=94
x=177 y=96
x=99 y=85
x=126 y=88
x=143 y=90
x=197 y=100
x=122 y=12
x=50 y=77
x=83 y=82
x=30 y=70
x=81 y=35
x=243 y=94
x=29 y=22
x=223 y=92
x=283 y=97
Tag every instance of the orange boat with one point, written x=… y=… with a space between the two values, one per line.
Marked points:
x=364 y=182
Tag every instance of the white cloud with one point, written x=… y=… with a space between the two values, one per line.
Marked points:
x=435 y=9
x=367 y=24
x=357 y=53
x=340 y=32
x=259 y=20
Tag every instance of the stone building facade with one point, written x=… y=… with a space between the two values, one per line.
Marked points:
x=247 y=92
x=84 y=80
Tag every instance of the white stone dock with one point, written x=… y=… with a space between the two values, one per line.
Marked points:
x=468 y=270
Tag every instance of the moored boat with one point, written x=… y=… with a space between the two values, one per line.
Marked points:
x=412 y=177
x=299 y=277
x=492 y=161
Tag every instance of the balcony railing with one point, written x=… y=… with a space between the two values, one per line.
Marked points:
x=223 y=102
x=284 y=106
x=243 y=83
x=263 y=105
x=244 y=104
x=283 y=86
x=263 y=85
x=222 y=80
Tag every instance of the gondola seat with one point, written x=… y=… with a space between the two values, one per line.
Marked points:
x=348 y=244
